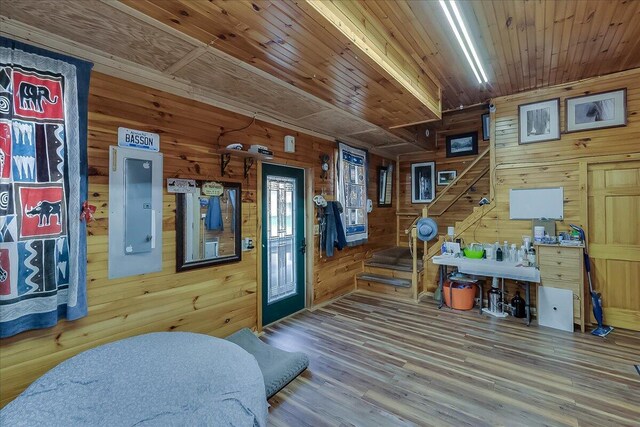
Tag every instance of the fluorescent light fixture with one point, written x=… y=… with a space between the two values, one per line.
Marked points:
x=459 y=38
x=467 y=38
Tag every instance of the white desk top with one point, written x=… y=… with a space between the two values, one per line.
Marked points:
x=490 y=268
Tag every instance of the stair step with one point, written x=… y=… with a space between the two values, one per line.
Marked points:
x=392 y=266
x=385 y=280
x=396 y=256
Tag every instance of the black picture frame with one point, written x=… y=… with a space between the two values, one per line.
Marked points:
x=423 y=182
x=486 y=123
x=385 y=186
x=464 y=144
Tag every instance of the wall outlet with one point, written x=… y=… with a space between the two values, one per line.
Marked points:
x=247 y=244
x=316 y=229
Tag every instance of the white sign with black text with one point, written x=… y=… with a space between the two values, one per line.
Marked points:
x=138 y=139
x=178 y=185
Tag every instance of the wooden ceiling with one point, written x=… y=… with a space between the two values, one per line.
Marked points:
x=294 y=42
x=352 y=69
x=522 y=44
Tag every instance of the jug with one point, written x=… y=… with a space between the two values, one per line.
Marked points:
x=518 y=308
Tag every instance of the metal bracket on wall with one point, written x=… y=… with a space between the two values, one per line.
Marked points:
x=224 y=161
x=248 y=162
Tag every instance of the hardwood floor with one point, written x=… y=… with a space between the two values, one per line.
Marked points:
x=381 y=362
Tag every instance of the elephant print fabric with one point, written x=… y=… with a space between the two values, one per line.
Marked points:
x=32 y=184
x=37 y=96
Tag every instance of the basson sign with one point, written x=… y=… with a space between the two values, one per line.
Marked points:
x=138 y=139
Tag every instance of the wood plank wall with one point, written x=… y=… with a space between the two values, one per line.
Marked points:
x=453 y=123
x=215 y=301
x=553 y=163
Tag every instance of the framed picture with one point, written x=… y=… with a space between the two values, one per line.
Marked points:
x=485 y=126
x=385 y=185
x=446 y=177
x=539 y=121
x=423 y=180
x=462 y=145
x=597 y=111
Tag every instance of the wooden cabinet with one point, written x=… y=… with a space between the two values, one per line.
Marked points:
x=563 y=267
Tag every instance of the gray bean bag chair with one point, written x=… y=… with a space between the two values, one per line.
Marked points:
x=278 y=367
x=163 y=379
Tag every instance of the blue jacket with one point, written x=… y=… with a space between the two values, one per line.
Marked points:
x=334 y=235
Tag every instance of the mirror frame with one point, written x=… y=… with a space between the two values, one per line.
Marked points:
x=181 y=265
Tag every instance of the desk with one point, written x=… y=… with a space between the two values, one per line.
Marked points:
x=490 y=268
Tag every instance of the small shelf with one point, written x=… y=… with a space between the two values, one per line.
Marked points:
x=249 y=159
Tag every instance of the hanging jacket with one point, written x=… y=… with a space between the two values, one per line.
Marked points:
x=231 y=194
x=334 y=235
x=213 y=220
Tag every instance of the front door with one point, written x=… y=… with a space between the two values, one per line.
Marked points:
x=614 y=239
x=283 y=242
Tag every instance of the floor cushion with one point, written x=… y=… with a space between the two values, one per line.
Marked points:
x=278 y=367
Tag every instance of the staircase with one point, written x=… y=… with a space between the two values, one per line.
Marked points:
x=460 y=186
x=391 y=272
x=401 y=273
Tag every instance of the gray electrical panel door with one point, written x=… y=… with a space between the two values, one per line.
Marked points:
x=138 y=216
x=135 y=211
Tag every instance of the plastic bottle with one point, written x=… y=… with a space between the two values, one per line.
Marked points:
x=513 y=257
x=499 y=254
x=505 y=249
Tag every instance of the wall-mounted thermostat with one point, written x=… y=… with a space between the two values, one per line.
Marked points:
x=289 y=144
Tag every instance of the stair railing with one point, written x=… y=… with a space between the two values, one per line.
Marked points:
x=440 y=204
x=413 y=247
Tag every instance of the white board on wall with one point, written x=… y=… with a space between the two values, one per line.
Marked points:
x=536 y=203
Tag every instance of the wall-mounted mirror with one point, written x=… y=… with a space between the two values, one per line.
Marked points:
x=208 y=225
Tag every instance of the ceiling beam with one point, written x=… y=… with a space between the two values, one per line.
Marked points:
x=363 y=31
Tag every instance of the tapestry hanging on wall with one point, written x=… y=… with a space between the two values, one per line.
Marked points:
x=43 y=182
x=352 y=193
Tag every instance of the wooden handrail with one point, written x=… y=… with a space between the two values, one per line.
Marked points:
x=412 y=225
x=436 y=212
x=455 y=182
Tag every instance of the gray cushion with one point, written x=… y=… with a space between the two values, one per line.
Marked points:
x=278 y=367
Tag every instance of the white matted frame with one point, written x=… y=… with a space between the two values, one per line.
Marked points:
x=423 y=182
x=446 y=177
x=596 y=111
x=539 y=121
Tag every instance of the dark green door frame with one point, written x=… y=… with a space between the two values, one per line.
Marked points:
x=296 y=302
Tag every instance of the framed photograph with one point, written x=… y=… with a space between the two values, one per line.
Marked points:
x=446 y=177
x=539 y=121
x=385 y=185
x=485 y=126
x=462 y=145
x=597 y=111
x=423 y=182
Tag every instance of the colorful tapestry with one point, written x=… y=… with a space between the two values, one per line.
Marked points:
x=43 y=182
x=352 y=193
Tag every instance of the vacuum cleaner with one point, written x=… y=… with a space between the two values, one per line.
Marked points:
x=596 y=298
